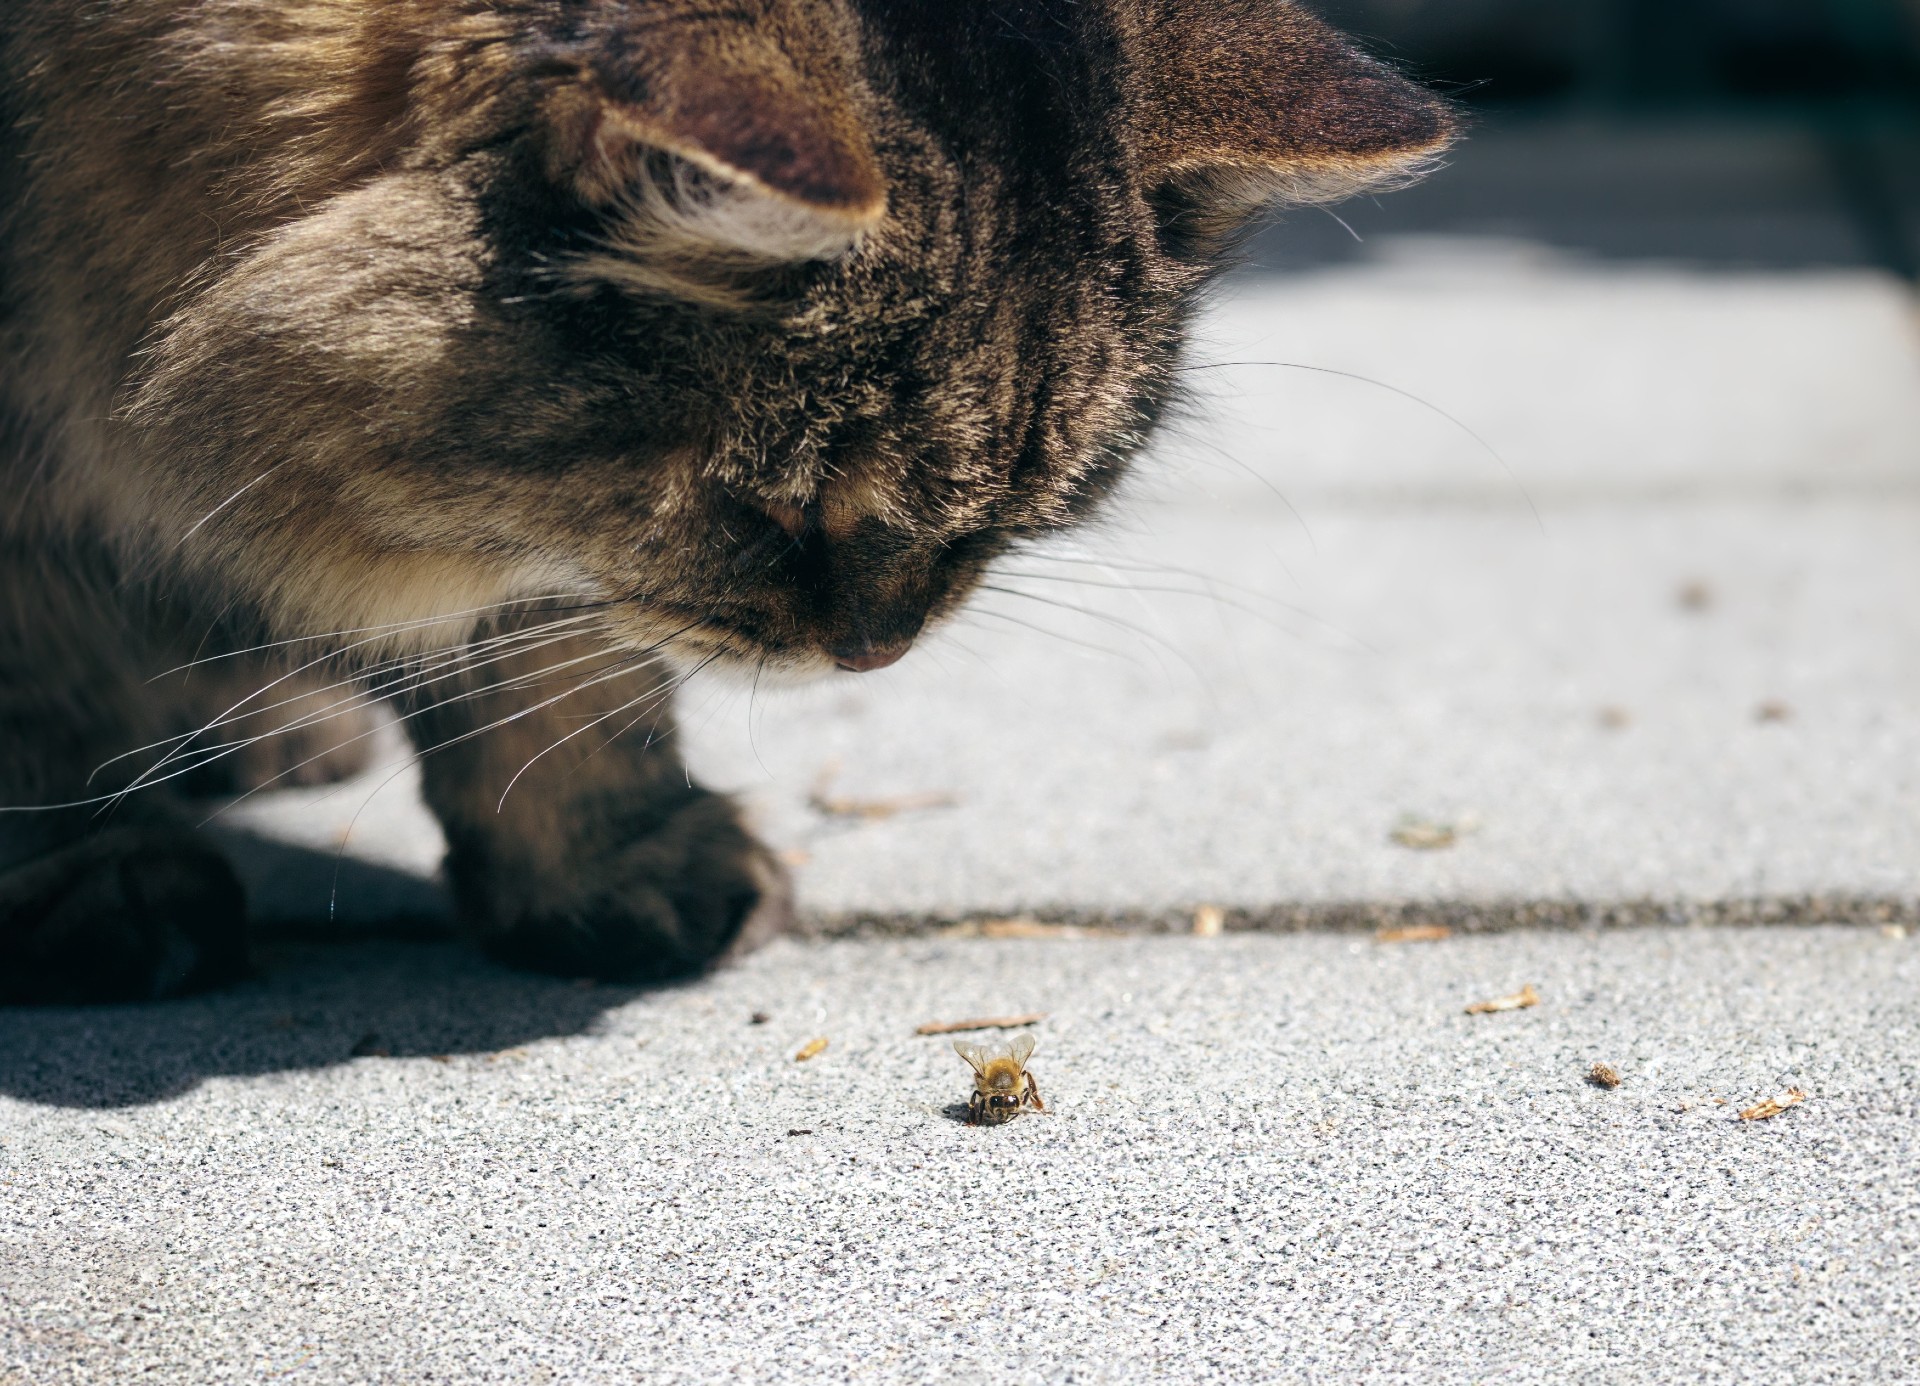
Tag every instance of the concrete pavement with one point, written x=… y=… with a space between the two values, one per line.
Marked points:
x=1270 y=1159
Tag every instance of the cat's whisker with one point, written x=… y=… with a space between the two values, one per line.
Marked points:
x=204 y=756
x=1405 y=394
x=652 y=732
x=149 y=779
x=658 y=694
x=1199 y=438
x=1269 y=617
x=367 y=681
x=358 y=681
x=625 y=665
x=1115 y=567
x=1341 y=221
x=454 y=663
x=1048 y=631
x=195 y=528
x=491 y=608
x=753 y=699
x=1106 y=618
x=346 y=836
x=325 y=658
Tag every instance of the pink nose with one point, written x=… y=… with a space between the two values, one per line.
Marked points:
x=867 y=658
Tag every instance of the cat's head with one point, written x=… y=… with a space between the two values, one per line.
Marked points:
x=769 y=325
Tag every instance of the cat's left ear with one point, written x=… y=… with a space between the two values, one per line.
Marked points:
x=743 y=149
x=1240 y=103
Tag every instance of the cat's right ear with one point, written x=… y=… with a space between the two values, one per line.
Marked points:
x=1243 y=103
x=729 y=151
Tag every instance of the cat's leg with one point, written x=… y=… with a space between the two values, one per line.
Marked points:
x=577 y=844
x=125 y=905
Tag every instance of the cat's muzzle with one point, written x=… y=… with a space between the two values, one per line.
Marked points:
x=864 y=659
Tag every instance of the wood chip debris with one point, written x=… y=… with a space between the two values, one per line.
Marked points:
x=870 y=810
x=1209 y=921
x=1604 y=1076
x=1415 y=933
x=874 y=810
x=1022 y=928
x=813 y=1048
x=1431 y=834
x=1519 y=1001
x=1773 y=1106
x=991 y=1022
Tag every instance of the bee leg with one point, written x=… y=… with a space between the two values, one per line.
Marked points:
x=1033 y=1094
x=974 y=1110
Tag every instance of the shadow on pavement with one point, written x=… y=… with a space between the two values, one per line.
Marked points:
x=322 y=994
x=309 y=893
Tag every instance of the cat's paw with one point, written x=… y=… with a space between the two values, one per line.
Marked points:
x=125 y=915
x=692 y=891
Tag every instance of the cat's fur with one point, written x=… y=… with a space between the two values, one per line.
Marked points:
x=601 y=337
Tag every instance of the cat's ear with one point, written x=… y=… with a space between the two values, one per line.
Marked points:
x=730 y=148
x=1246 y=102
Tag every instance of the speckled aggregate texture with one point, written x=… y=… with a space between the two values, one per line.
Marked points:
x=1271 y=1159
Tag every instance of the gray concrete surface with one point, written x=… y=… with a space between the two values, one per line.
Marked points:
x=1327 y=606
x=1271 y=1159
x=1274 y=1157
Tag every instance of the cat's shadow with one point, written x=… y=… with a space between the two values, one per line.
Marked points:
x=401 y=987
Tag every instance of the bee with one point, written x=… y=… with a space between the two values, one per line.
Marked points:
x=1002 y=1087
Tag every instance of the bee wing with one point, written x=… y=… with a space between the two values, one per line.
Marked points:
x=1020 y=1048
x=972 y=1053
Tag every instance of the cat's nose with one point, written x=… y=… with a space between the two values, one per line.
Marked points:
x=864 y=659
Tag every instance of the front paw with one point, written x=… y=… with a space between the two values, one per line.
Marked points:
x=665 y=895
x=125 y=915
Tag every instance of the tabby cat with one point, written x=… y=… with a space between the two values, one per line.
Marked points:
x=511 y=358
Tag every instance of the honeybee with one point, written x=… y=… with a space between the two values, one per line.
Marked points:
x=1002 y=1087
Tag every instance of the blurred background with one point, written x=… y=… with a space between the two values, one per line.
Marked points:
x=1733 y=132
